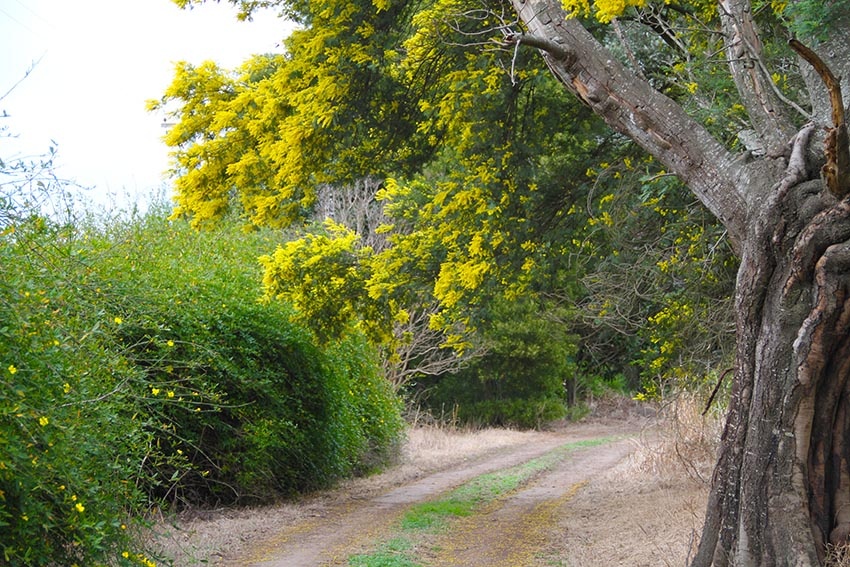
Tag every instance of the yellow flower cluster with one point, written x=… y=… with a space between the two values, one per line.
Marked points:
x=603 y=10
x=138 y=558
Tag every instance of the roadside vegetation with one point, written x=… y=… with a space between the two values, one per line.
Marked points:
x=322 y=276
x=142 y=371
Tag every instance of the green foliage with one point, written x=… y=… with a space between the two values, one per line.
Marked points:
x=280 y=126
x=519 y=380
x=71 y=436
x=325 y=276
x=659 y=280
x=139 y=367
x=811 y=19
x=285 y=416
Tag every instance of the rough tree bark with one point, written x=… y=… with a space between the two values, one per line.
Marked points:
x=781 y=488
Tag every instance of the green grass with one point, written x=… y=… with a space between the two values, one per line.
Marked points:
x=393 y=553
x=431 y=516
x=436 y=516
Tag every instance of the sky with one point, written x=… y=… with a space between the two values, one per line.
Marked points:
x=94 y=64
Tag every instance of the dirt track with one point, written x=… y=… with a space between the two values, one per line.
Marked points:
x=628 y=502
x=511 y=532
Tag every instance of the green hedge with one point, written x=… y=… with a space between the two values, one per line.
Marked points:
x=138 y=367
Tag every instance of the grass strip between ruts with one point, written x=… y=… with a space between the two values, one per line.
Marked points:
x=436 y=516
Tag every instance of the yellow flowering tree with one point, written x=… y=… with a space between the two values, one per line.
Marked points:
x=698 y=93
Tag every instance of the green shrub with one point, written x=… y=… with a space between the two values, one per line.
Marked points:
x=261 y=409
x=138 y=367
x=71 y=438
x=519 y=382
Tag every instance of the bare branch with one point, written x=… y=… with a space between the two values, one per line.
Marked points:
x=27 y=73
x=422 y=350
x=836 y=171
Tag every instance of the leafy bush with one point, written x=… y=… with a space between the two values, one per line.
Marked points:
x=138 y=366
x=71 y=440
x=261 y=409
x=520 y=380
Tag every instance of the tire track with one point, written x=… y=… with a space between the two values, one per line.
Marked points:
x=514 y=531
x=354 y=525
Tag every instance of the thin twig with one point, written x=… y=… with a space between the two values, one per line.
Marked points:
x=716 y=388
x=22 y=79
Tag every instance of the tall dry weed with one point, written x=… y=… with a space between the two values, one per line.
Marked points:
x=837 y=556
x=684 y=439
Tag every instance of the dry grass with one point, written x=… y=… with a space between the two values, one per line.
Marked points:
x=647 y=511
x=837 y=556
x=430 y=447
x=684 y=440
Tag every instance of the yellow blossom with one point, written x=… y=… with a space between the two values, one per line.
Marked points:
x=12 y=369
x=118 y=320
x=79 y=507
x=43 y=420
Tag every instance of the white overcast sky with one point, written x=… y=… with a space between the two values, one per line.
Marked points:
x=99 y=61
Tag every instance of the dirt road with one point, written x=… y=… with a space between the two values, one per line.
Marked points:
x=513 y=531
x=636 y=502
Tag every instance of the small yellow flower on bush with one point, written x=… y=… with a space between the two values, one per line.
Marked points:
x=12 y=369
x=118 y=320
x=79 y=507
x=43 y=420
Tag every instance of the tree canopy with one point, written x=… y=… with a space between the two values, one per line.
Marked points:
x=492 y=179
x=483 y=158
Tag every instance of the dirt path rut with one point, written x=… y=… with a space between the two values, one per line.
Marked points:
x=515 y=531
x=510 y=532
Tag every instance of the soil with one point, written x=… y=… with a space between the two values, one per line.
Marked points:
x=623 y=502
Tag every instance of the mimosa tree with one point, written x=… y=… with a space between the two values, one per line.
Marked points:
x=384 y=87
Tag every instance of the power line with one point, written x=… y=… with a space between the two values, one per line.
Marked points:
x=33 y=12
x=17 y=21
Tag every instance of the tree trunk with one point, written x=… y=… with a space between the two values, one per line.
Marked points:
x=781 y=489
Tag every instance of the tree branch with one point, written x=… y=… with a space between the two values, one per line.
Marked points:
x=550 y=47
x=754 y=83
x=836 y=171
x=632 y=107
